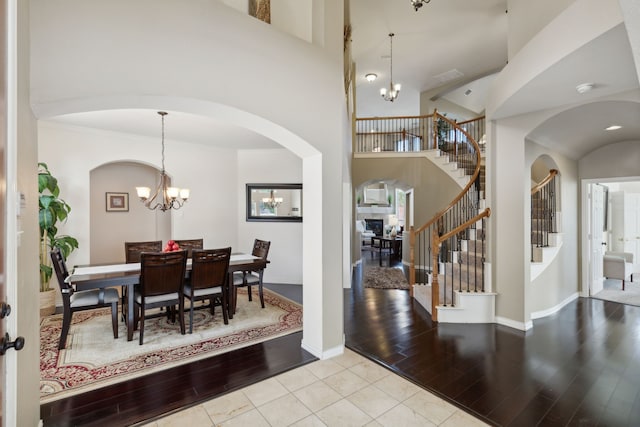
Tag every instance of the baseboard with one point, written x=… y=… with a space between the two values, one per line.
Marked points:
x=544 y=313
x=521 y=326
x=332 y=352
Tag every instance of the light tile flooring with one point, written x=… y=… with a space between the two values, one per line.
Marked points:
x=347 y=390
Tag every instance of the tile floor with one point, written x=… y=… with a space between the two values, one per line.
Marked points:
x=347 y=390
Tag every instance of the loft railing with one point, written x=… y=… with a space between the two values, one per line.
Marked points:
x=414 y=133
x=543 y=211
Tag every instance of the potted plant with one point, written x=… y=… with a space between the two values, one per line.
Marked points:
x=52 y=210
x=443 y=128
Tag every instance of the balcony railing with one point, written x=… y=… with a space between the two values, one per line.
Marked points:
x=415 y=133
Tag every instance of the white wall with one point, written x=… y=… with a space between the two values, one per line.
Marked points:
x=203 y=57
x=561 y=279
x=618 y=160
x=527 y=18
x=109 y=230
x=73 y=152
x=285 y=253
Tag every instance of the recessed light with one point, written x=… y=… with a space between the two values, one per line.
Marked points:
x=371 y=77
x=467 y=92
x=613 y=127
x=585 y=87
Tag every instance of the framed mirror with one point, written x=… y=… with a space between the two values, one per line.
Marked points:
x=274 y=202
x=376 y=194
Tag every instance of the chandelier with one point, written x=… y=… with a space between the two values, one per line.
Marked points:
x=394 y=89
x=165 y=197
x=272 y=202
x=417 y=4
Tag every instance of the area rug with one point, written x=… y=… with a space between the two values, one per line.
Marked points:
x=612 y=291
x=384 y=278
x=93 y=359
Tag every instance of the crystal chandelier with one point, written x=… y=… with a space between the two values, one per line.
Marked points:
x=394 y=89
x=272 y=202
x=165 y=197
x=417 y=4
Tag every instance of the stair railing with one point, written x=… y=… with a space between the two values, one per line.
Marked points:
x=436 y=242
x=543 y=211
x=454 y=227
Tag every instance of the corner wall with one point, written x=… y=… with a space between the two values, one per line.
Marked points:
x=559 y=281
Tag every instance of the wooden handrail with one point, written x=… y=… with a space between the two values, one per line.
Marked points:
x=393 y=132
x=477 y=119
x=395 y=117
x=436 y=241
x=476 y=172
x=545 y=181
x=485 y=213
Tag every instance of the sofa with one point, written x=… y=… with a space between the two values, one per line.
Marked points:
x=365 y=234
x=619 y=265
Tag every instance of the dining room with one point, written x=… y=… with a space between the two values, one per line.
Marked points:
x=106 y=162
x=215 y=213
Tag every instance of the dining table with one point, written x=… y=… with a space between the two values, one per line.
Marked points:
x=102 y=276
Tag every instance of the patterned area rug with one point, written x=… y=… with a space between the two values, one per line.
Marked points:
x=384 y=278
x=93 y=359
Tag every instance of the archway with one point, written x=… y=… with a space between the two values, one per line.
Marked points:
x=311 y=160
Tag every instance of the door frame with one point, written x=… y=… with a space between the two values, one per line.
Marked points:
x=585 y=214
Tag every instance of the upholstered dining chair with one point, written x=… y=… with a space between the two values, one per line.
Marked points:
x=250 y=278
x=207 y=280
x=190 y=244
x=73 y=301
x=161 y=285
x=132 y=250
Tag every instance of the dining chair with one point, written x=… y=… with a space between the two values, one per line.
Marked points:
x=132 y=250
x=208 y=280
x=161 y=285
x=190 y=244
x=250 y=278
x=73 y=301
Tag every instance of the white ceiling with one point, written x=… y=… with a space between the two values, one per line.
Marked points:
x=445 y=38
x=179 y=126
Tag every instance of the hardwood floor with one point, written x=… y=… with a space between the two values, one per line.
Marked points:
x=578 y=367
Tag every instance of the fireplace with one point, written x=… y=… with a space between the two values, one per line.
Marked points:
x=375 y=225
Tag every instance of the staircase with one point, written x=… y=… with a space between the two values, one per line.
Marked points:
x=448 y=272
x=545 y=238
x=463 y=273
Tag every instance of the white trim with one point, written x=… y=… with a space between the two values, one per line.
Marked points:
x=544 y=313
x=332 y=352
x=10 y=376
x=514 y=324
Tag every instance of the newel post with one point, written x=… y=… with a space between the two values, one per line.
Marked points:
x=434 y=126
x=435 y=287
x=412 y=265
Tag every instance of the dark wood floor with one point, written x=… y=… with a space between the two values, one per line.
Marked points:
x=578 y=367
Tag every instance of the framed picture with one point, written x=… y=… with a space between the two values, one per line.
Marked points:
x=260 y=9
x=117 y=202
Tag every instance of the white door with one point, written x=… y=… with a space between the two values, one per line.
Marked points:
x=596 y=243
